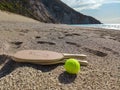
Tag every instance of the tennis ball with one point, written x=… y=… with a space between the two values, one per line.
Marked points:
x=72 y=66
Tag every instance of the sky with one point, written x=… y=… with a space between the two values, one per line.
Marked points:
x=107 y=11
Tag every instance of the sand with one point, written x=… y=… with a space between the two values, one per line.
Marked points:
x=11 y=17
x=101 y=46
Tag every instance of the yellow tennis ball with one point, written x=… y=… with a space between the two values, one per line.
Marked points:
x=72 y=66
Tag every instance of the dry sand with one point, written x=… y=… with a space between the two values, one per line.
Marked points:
x=10 y=17
x=102 y=47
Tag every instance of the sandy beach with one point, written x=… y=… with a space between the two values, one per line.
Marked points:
x=102 y=47
x=10 y=17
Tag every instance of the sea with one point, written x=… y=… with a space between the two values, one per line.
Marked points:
x=104 y=26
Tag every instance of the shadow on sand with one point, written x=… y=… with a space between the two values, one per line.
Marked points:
x=66 y=78
x=9 y=66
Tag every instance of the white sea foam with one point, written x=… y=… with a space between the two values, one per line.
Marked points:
x=106 y=26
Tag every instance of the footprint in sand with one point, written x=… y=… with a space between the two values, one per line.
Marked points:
x=95 y=52
x=37 y=37
x=72 y=34
x=111 y=50
x=46 y=42
x=17 y=44
x=73 y=43
x=25 y=31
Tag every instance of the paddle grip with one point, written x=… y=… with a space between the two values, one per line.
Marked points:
x=80 y=56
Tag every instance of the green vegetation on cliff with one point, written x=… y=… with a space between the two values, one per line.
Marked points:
x=16 y=6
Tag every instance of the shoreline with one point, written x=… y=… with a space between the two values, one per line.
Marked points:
x=102 y=26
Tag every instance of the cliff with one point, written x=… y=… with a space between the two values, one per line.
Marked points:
x=48 y=11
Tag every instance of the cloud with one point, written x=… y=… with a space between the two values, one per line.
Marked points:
x=83 y=4
x=89 y=4
x=111 y=1
x=93 y=6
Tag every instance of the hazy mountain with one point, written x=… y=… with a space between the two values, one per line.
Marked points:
x=48 y=11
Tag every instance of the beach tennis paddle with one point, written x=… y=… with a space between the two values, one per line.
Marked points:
x=45 y=57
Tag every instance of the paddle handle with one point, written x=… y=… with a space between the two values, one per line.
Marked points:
x=81 y=56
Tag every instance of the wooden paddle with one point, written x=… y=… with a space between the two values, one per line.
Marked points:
x=45 y=57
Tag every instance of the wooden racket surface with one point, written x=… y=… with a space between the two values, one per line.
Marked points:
x=37 y=56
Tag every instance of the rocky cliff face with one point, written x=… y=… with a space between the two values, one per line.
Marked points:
x=48 y=11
